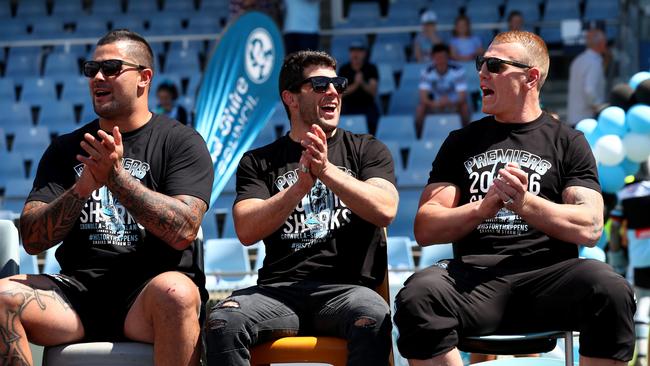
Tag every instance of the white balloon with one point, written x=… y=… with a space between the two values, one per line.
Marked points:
x=609 y=150
x=637 y=146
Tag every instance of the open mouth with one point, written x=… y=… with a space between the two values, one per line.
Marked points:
x=487 y=91
x=328 y=107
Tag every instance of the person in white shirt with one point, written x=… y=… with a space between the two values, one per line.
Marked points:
x=587 y=79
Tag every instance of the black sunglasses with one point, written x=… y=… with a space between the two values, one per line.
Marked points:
x=494 y=64
x=320 y=84
x=108 y=67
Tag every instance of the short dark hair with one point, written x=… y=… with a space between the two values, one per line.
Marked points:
x=140 y=50
x=294 y=65
x=170 y=88
x=440 y=47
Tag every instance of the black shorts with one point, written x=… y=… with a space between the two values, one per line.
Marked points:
x=102 y=309
x=453 y=299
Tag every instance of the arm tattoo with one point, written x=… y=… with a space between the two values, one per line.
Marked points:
x=591 y=199
x=172 y=219
x=22 y=295
x=44 y=225
x=385 y=186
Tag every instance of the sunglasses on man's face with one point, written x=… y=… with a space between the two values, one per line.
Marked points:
x=320 y=84
x=494 y=65
x=108 y=67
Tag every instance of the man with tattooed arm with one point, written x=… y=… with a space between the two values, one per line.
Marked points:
x=125 y=195
x=516 y=193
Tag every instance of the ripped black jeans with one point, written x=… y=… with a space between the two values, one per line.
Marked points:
x=262 y=313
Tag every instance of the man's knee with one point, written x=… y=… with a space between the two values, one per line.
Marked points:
x=226 y=316
x=175 y=292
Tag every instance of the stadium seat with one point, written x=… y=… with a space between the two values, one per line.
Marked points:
x=227 y=266
x=28 y=262
x=355 y=123
x=31 y=142
x=412 y=73
x=438 y=126
x=91 y=26
x=401 y=13
x=30 y=8
x=183 y=63
x=76 y=90
x=15 y=114
x=13 y=167
x=51 y=265
x=9 y=251
x=149 y=7
x=396 y=152
x=47 y=27
x=388 y=52
x=37 y=90
x=61 y=66
x=5 y=9
x=13 y=29
x=229 y=222
x=16 y=192
x=7 y=89
x=386 y=82
x=561 y=9
x=431 y=254
x=130 y=22
x=396 y=127
x=415 y=177
x=402 y=225
x=340 y=46
x=100 y=354
x=67 y=9
x=529 y=10
x=601 y=10
x=3 y=141
x=178 y=6
x=361 y=14
x=400 y=259
x=164 y=24
x=21 y=67
x=107 y=8
x=58 y=117
x=483 y=12
x=422 y=153
x=404 y=100
x=203 y=25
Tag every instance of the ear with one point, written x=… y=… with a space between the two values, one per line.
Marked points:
x=288 y=98
x=533 y=77
x=145 y=77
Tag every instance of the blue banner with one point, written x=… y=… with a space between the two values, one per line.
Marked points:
x=239 y=91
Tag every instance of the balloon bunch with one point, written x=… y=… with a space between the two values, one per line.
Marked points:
x=620 y=136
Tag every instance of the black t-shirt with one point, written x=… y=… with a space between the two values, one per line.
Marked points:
x=554 y=156
x=359 y=97
x=106 y=245
x=322 y=239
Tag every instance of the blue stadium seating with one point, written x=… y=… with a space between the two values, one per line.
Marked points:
x=7 y=89
x=134 y=23
x=3 y=141
x=483 y=12
x=386 y=82
x=13 y=167
x=396 y=127
x=91 y=26
x=411 y=74
x=414 y=177
x=164 y=24
x=355 y=123
x=561 y=9
x=404 y=100
x=203 y=25
x=61 y=66
x=183 y=63
x=20 y=67
x=229 y=223
x=5 y=9
x=76 y=90
x=431 y=254
x=387 y=52
x=30 y=8
x=37 y=90
x=15 y=114
x=58 y=117
x=16 y=192
x=422 y=153
x=68 y=8
x=223 y=256
x=361 y=14
x=51 y=266
x=28 y=262
x=339 y=47
x=106 y=8
x=46 y=27
x=395 y=151
x=402 y=13
x=400 y=259
x=149 y=7
x=31 y=142
x=178 y=6
x=408 y=206
x=437 y=126
x=600 y=10
x=13 y=29
x=528 y=9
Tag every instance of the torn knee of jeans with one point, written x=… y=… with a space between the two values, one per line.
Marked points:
x=365 y=322
x=217 y=323
x=228 y=304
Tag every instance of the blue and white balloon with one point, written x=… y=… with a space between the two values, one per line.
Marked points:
x=638 y=119
x=637 y=78
x=637 y=146
x=609 y=150
x=612 y=178
x=611 y=121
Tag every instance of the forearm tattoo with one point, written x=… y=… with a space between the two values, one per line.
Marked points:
x=44 y=225
x=10 y=350
x=169 y=218
x=589 y=198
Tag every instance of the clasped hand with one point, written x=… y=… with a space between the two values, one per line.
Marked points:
x=104 y=155
x=314 y=157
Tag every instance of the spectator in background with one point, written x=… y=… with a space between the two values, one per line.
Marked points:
x=442 y=88
x=359 y=98
x=427 y=38
x=272 y=8
x=587 y=79
x=301 y=25
x=464 y=46
x=167 y=94
x=515 y=21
